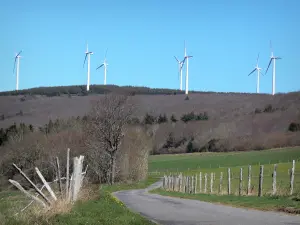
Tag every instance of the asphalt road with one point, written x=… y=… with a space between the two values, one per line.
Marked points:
x=174 y=211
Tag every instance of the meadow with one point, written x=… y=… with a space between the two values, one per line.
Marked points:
x=215 y=163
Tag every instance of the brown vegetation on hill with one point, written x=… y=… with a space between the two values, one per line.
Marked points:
x=236 y=122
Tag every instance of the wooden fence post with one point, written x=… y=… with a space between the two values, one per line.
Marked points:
x=32 y=184
x=211 y=182
x=249 y=180
x=229 y=181
x=241 y=182
x=221 y=182
x=46 y=184
x=67 y=172
x=292 y=178
x=17 y=185
x=261 y=178
x=274 y=180
x=59 y=175
x=200 y=182
x=196 y=184
x=205 y=182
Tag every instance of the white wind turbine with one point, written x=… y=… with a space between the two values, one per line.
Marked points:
x=105 y=64
x=17 y=60
x=274 y=61
x=180 y=66
x=186 y=57
x=258 y=74
x=87 y=55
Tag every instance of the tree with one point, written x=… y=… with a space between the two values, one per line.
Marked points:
x=173 y=118
x=106 y=126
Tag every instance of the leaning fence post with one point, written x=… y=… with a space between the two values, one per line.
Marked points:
x=292 y=178
x=229 y=180
x=32 y=184
x=249 y=180
x=46 y=184
x=274 y=180
x=17 y=185
x=221 y=182
x=241 y=182
x=261 y=177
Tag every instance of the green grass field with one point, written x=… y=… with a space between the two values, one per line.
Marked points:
x=103 y=209
x=196 y=161
x=213 y=164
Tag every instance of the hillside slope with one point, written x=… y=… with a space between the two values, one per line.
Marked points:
x=231 y=116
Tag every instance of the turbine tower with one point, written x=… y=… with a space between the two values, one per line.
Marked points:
x=88 y=55
x=274 y=62
x=180 y=65
x=186 y=57
x=105 y=64
x=258 y=74
x=17 y=60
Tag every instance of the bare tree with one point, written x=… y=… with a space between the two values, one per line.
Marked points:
x=107 y=121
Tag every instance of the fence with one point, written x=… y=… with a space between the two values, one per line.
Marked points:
x=260 y=180
x=67 y=191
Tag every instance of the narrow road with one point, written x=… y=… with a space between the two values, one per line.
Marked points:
x=174 y=211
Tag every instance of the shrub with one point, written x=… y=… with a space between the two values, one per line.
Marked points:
x=269 y=109
x=187 y=98
x=257 y=110
x=2 y=117
x=173 y=118
x=149 y=119
x=192 y=116
x=162 y=119
x=294 y=127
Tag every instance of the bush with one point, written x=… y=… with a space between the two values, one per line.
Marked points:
x=294 y=127
x=173 y=118
x=192 y=116
x=162 y=119
x=269 y=109
x=149 y=119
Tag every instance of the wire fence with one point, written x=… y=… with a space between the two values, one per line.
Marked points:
x=276 y=179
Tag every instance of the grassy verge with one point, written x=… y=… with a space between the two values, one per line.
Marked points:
x=101 y=208
x=266 y=203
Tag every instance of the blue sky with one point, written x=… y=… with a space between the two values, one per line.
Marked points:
x=143 y=36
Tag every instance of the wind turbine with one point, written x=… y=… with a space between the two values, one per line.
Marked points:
x=105 y=64
x=17 y=60
x=258 y=73
x=180 y=65
x=274 y=62
x=88 y=55
x=186 y=57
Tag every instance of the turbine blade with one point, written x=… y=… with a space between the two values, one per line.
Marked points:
x=85 y=59
x=105 y=53
x=269 y=64
x=19 y=53
x=278 y=58
x=252 y=72
x=176 y=59
x=15 y=64
x=100 y=66
x=257 y=59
